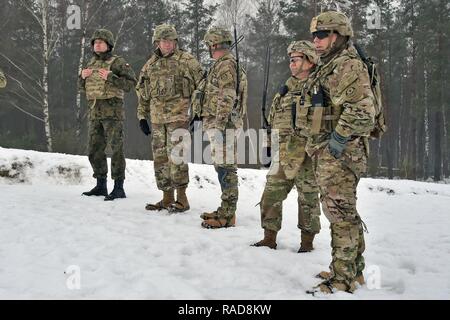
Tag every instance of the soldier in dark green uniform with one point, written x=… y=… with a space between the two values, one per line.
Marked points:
x=105 y=80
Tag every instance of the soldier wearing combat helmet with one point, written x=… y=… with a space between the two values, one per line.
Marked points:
x=222 y=110
x=105 y=79
x=340 y=119
x=292 y=166
x=166 y=84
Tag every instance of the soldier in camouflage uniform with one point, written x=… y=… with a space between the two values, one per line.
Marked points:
x=340 y=120
x=222 y=110
x=105 y=79
x=2 y=79
x=164 y=89
x=292 y=166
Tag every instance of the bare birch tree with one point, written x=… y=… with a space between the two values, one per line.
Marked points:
x=47 y=27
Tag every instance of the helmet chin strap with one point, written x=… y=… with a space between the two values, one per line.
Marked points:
x=329 y=47
x=302 y=70
x=211 y=52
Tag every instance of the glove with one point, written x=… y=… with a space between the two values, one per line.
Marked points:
x=284 y=89
x=337 y=144
x=193 y=121
x=144 y=127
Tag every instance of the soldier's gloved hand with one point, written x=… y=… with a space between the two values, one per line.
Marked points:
x=145 y=127
x=337 y=144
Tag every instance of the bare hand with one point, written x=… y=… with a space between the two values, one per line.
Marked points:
x=86 y=73
x=104 y=73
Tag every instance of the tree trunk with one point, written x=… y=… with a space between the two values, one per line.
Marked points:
x=426 y=120
x=46 y=55
x=80 y=67
x=437 y=148
x=443 y=80
x=197 y=28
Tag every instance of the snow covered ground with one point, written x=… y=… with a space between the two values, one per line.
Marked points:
x=124 y=252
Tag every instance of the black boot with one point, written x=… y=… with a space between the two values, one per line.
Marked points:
x=101 y=189
x=118 y=192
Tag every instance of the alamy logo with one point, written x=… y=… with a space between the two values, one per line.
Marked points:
x=73 y=281
x=373 y=278
x=73 y=16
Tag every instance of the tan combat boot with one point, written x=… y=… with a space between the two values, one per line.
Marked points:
x=182 y=203
x=330 y=287
x=214 y=221
x=270 y=238
x=360 y=279
x=164 y=204
x=307 y=242
x=325 y=275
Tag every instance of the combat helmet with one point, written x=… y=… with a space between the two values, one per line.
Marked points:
x=216 y=35
x=332 y=21
x=305 y=47
x=104 y=35
x=165 y=32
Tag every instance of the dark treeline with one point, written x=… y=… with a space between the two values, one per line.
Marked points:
x=41 y=53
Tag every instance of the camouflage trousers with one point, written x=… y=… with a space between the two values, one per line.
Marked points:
x=338 y=180
x=224 y=156
x=168 y=144
x=276 y=191
x=101 y=134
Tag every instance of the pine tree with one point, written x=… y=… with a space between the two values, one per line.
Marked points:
x=198 y=17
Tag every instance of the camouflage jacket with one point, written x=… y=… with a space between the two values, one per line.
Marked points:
x=220 y=95
x=2 y=79
x=348 y=100
x=166 y=85
x=291 y=144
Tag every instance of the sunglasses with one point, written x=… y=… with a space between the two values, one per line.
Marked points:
x=296 y=59
x=322 y=34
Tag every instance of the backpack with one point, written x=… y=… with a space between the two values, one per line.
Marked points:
x=375 y=84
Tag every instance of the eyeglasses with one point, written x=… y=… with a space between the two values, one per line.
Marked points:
x=322 y=34
x=296 y=59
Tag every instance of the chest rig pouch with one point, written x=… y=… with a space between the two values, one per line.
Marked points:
x=167 y=79
x=96 y=87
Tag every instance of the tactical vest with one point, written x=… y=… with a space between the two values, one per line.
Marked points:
x=323 y=117
x=166 y=78
x=168 y=86
x=96 y=87
x=284 y=107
